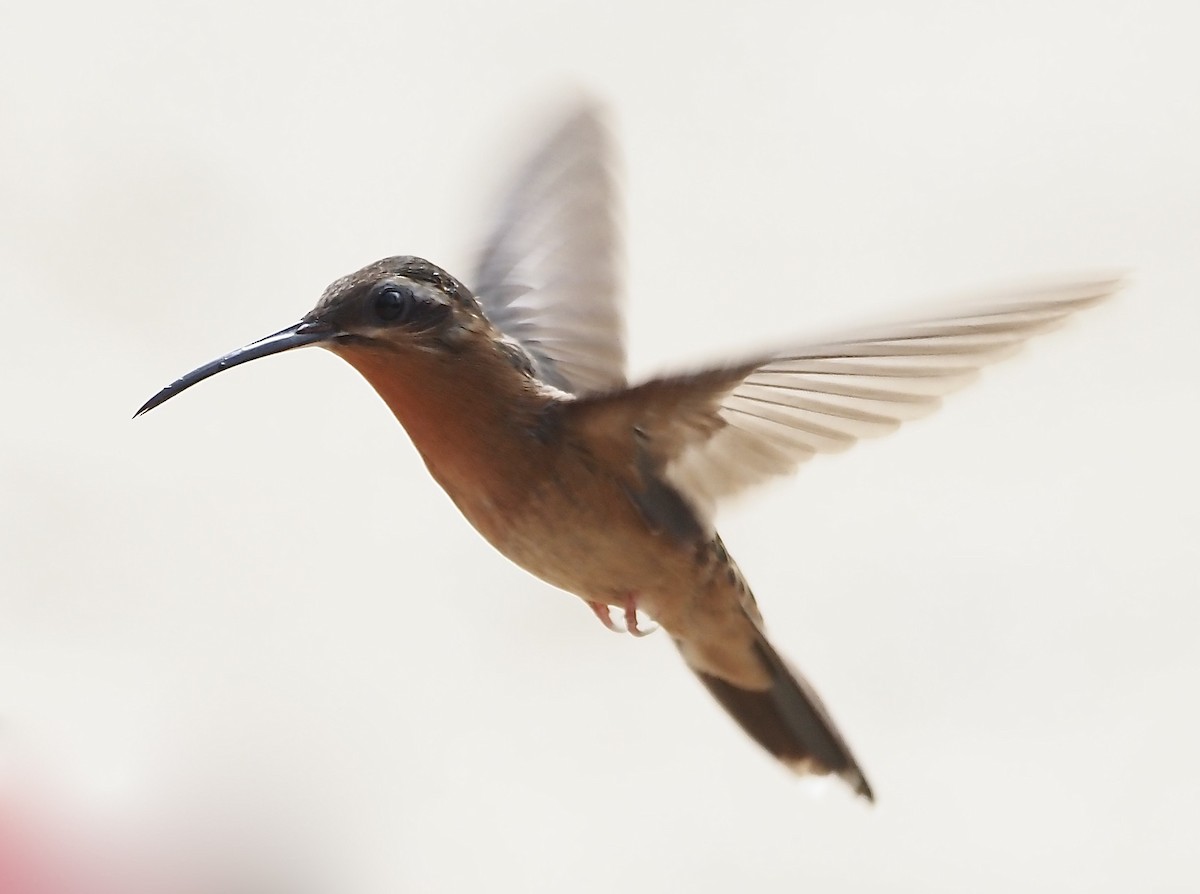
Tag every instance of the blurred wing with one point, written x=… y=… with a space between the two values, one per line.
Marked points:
x=721 y=431
x=548 y=275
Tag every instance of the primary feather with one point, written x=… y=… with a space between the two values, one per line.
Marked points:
x=548 y=276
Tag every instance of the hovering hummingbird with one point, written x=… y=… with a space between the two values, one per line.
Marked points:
x=514 y=393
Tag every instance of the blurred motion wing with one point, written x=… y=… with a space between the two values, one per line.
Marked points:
x=717 y=432
x=548 y=276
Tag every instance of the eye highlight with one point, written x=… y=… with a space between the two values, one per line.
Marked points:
x=394 y=303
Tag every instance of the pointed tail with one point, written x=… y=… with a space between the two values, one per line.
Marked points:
x=788 y=720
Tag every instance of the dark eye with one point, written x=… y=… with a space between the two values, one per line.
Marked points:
x=395 y=304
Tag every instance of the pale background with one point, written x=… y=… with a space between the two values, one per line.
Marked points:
x=252 y=619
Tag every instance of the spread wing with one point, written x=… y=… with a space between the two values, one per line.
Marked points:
x=548 y=276
x=714 y=433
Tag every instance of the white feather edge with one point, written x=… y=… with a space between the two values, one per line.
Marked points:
x=824 y=396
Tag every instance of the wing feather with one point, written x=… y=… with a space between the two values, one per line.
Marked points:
x=723 y=430
x=548 y=276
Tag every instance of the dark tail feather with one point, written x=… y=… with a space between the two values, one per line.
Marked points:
x=789 y=721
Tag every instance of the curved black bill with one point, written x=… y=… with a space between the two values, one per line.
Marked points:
x=284 y=340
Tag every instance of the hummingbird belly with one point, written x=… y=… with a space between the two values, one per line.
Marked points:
x=580 y=530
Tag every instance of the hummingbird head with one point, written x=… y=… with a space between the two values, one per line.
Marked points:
x=398 y=305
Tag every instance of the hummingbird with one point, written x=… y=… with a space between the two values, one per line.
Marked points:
x=515 y=395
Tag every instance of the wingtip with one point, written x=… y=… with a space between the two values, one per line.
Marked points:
x=1079 y=291
x=1099 y=288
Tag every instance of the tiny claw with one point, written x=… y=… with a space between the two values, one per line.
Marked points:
x=602 y=611
x=631 y=619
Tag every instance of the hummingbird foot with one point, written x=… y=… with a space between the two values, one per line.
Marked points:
x=603 y=611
